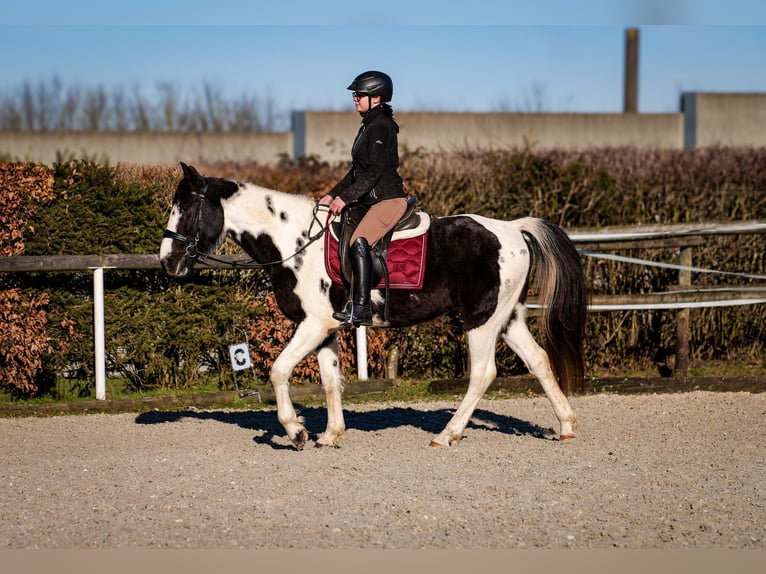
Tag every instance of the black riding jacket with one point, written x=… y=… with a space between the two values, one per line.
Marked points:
x=374 y=174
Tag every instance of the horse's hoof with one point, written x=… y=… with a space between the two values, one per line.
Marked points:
x=300 y=439
x=565 y=437
x=437 y=444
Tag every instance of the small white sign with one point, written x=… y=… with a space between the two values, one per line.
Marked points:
x=240 y=357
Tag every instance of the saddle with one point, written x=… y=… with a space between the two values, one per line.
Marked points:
x=398 y=259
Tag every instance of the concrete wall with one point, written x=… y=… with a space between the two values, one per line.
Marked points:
x=153 y=148
x=705 y=120
x=330 y=134
x=724 y=119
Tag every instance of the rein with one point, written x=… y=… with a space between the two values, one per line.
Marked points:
x=191 y=244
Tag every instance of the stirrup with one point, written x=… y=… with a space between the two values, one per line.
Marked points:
x=361 y=316
x=354 y=316
x=343 y=315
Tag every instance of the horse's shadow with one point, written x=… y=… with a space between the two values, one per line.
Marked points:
x=433 y=422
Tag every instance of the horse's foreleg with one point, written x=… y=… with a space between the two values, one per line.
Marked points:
x=307 y=338
x=329 y=370
x=481 y=348
x=521 y=342
x=280 y=376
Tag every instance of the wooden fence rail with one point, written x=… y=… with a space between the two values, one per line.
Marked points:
x=685 y=237
x=591 y=242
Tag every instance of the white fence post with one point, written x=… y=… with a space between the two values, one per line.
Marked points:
x=361 y=352
x=98 y=332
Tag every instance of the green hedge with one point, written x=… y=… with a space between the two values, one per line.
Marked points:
x=160 y=330
x=160 y=333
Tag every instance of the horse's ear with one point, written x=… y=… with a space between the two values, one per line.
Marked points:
x=193 y=175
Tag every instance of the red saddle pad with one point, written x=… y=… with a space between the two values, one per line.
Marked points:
x=406 y=262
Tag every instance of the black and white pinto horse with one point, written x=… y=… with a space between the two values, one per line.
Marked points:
x=478 y=266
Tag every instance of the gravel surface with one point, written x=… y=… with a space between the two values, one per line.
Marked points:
x=646 y=471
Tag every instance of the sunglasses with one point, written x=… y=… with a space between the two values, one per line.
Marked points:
x=358 y=95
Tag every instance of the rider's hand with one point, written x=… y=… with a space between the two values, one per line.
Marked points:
x=337 y=205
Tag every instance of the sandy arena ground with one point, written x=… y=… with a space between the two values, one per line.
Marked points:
x=659 y=471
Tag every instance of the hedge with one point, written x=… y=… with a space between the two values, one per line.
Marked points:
x=169 y=333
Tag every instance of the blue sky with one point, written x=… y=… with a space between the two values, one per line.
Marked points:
x=553 y=55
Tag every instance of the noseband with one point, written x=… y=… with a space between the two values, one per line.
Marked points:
x=195 y=254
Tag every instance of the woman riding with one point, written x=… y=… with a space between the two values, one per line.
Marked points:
x=373 y=182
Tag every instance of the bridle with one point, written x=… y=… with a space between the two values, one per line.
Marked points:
x=201 y=257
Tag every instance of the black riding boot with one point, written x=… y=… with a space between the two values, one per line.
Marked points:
x=357 y=311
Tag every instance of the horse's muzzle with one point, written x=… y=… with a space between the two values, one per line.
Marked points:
x=175 y=267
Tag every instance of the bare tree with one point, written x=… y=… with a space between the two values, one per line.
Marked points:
x=169 y=105
x=10 y=118
x=67 y=117
x=535 y=99
x=95 y=109
x=244 y=115
x=215 y=108
x=119 y=112
x=142 y=112
x=52 y=106
x=31 y=116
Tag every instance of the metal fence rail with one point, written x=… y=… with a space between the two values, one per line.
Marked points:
x=590 y=242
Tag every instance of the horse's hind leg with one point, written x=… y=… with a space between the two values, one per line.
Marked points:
x=521 y=342
x=481 y=348
x=329 y=370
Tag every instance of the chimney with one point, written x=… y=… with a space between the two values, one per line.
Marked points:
x=631 y=71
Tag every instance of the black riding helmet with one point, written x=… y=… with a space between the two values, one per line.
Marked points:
x=374 y=84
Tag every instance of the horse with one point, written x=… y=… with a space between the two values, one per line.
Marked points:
x=480 y=267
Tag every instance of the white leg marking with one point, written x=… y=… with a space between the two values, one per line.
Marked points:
x=329 y=369
x=481 y=349
x=306 y=338
x=521 y=342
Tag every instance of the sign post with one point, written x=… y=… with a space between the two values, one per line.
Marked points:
x=240 y=361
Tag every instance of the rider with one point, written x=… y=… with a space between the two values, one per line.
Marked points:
x=374 y=182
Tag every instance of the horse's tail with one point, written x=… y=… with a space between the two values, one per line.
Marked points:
x=558 y=274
